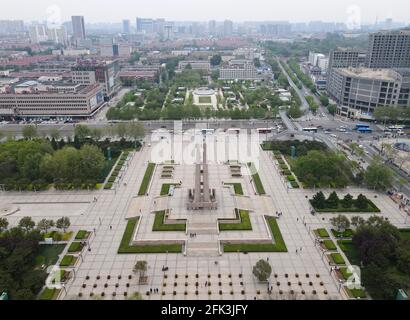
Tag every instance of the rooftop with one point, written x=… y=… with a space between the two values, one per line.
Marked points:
x=367 y=73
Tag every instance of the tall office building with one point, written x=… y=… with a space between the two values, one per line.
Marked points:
x=126 y=26
x=11 y=26
x=38 y=33
x=78 y=27
x=58 y=35
x=145 y=25
x=389 y=49
x=212 y=27
x=228 y=27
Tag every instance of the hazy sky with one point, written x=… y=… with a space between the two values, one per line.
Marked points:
x=202 y=10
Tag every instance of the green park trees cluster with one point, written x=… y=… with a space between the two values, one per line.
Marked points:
x=347 y=204
x=323 y=169
x=385 y=257
x=378 y=176
x=19 y=247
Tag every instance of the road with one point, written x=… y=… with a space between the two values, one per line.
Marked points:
x=305 y=105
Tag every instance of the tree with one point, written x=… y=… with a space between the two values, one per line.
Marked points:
x=45 y=225
x=324 y=100
x=357 y=221
x=216 y=60
x=403 y=257
x=27 y=224
x=378 y=176
x=341 y=223
x=136 y=130
x=82 y=132
x=319 y=200
x=362 y=202
x=29 y=132
x=121 y=130
x=96 y=134
x=54 y=134
x=91 y=162
x=333 y=201
x=141 y=267
x=3 y=224
x=347 y=201
x=63 y=223
x=332 y=108
x=262 y=270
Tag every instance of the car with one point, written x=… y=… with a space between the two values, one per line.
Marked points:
x=333 y=136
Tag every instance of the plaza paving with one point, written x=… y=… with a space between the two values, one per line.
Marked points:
x=230 y=272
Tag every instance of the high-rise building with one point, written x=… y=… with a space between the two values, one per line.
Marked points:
x=228 y=27
x=38 y=33
x=11 y=26
x=212 y=27
x=126 y=26
x=78 y=27
x=145 y=25
x=389 y=49
x=58 y=35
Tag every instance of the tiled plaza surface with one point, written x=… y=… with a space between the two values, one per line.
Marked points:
x=188 y=276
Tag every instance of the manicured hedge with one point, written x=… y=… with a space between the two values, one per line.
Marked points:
x=147 y=179
x=75 y=247
x=244 y=225
x=160 y=226
x=68 y=260
x=126 y=248
x=337 y=258
x=81 y=235
x=278 y=246
x=322 y=233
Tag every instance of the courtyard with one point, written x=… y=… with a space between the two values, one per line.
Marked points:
x=205 y=267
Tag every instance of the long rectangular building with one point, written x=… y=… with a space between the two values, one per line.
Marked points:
x=31 y=99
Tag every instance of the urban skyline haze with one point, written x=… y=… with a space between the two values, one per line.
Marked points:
x=188 y=10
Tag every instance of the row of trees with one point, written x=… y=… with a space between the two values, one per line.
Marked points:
x=319 y=201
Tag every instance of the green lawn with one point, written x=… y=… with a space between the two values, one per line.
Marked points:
x=49 y=294
x=279 y=245
x=68 y=261
x=48 y=254
x=81 y=235
x=348 y=233
x=329 y=245
x=126 y=248
x=350 y=251
x=165 y=188
x=337 y=258
x=405 y=234
x=146 y=180
x=256 y=180
x=345 y=273
x=160 y=226
x=237 y=188
x=357 y=293
x=205 y=100
x=322 y=233
x=75 y=247
x=244 y=225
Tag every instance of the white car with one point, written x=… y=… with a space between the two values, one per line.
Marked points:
x=333 y=136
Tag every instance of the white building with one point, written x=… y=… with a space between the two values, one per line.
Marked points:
x=196 y=65
x=239 y=70
x=38 y=33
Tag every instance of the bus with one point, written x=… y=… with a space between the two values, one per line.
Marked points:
x=208 y=131
x=264 y=130
x=233 y=130
x=312 y=129
x=396 y=128
x=363 y=128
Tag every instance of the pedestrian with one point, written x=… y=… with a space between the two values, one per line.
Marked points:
x=267 y=259
x=301 y=249
x=296 y=251
x=150 y=290
x=110 y=227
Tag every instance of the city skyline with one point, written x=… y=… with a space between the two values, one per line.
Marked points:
x=363 y=11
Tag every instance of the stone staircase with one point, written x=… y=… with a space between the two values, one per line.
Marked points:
x=202 y=228
x=202 y=249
